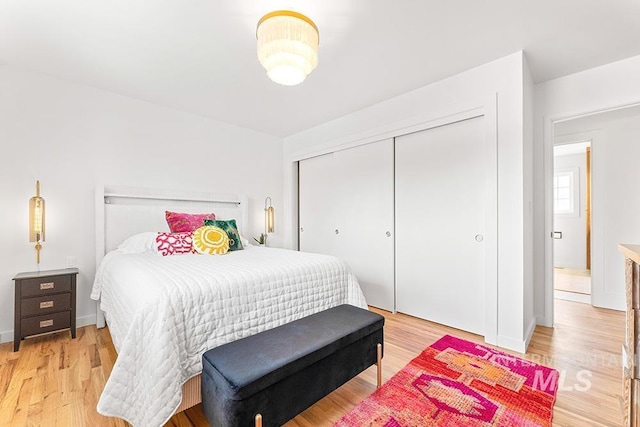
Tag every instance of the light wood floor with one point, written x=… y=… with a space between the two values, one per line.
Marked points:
x=56 y=381
x=570 y=280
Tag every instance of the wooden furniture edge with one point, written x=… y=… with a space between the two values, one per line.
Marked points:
x=630 y=251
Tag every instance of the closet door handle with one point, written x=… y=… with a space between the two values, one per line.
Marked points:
x=337 y=231
x=388 y=234
x=301 y=230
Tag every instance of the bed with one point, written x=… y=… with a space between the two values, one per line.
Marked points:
x=164 y=312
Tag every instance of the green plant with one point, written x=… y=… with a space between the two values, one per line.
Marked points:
x=261 y=239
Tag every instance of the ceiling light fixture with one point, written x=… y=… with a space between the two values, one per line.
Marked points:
x=287 y=46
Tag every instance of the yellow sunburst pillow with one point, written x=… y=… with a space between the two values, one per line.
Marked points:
x=210 y=240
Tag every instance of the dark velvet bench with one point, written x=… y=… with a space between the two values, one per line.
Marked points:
x=272 y=376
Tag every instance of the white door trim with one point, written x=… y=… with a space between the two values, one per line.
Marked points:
x=547 y=159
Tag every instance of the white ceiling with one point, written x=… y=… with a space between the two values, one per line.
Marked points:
x=199 y=56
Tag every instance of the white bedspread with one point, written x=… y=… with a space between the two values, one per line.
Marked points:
x=165 y=312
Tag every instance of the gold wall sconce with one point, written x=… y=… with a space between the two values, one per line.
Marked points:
x=36 y=220
x=269 y=218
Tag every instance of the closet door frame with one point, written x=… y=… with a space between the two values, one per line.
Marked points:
x=486 y=107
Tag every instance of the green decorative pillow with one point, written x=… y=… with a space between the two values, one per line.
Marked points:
x=230 y=227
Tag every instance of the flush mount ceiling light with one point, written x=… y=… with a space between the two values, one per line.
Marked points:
x=287 y=46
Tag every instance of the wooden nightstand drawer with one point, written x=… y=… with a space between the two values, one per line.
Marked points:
x=45 y=323
x=46 y=285
x=46 y=304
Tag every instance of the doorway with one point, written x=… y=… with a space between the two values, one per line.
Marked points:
x=572 y=219
x=614 y=151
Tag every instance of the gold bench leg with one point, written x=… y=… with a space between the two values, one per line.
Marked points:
x=379 y=363
x=259 y=420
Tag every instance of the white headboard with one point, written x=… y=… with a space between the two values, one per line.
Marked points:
x=124 y=211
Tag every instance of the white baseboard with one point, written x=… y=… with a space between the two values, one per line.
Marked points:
x=542 y=320
x=529 y=332
x=519 y=346
x=7 y=336
x=572 y=296
x=86 y=320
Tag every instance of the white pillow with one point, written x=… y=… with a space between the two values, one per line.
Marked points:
x=244 y=241
x=138 y=243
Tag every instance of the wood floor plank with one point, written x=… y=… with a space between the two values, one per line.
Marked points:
x=56 y=381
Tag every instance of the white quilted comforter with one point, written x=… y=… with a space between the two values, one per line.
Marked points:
x=165 y=312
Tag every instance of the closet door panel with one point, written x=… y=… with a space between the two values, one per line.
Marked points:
x=440 y=204
x=316 y=205
x=364 y=204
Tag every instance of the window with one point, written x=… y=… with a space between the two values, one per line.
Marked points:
x=565 y=192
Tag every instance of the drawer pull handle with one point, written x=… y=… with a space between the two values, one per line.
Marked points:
x=48 y=285
x=46 y=304
x=46 y=323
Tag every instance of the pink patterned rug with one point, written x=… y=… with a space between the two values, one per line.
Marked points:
x=459 y=383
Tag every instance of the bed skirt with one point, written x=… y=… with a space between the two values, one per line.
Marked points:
x=191 y=394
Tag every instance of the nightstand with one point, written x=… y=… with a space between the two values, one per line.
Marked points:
x=45 y=302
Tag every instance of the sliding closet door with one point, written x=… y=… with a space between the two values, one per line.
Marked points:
x=440 y=205
x=364 y=201
x=346 y=210
x=316 y=199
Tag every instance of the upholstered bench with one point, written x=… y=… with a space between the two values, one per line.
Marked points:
x=272 y=376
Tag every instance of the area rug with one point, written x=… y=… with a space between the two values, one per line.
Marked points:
x=459 y=383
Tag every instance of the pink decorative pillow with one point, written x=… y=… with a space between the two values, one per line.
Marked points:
x=181 y=222
x=174 y=243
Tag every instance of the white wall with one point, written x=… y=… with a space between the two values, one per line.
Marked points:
x=571 y=250
x=502 y=79
x=609 y=86
x=72 y=137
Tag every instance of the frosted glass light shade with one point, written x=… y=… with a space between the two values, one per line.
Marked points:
x=36 y=220
x=287 y=46
x=270 y=220
x=269 y=216
x=36 y=216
